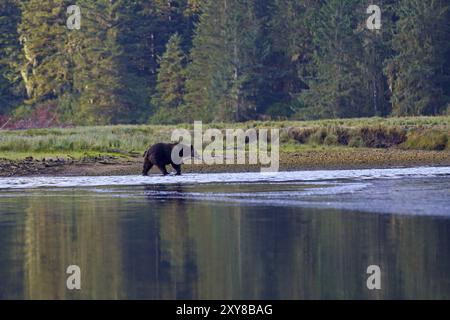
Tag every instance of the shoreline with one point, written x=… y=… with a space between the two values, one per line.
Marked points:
x=289 y=161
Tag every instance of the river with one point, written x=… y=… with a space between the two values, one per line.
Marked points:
x=291 y=235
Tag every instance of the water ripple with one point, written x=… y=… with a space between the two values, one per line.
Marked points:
x=247 y=177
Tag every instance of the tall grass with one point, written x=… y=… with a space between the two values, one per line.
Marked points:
x=427 y=133
x=379 y=136
x=124 y=139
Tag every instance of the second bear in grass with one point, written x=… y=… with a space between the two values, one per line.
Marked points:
x=160 y=155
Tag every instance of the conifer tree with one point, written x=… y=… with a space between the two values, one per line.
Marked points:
x=226 y=58
x=45 y=67
x=291 y=43
x=98 y=70
x=11 y=87
x=144 y=31
x=376 y=50
x=170 y=84
x=335 y=87
x=419 y=73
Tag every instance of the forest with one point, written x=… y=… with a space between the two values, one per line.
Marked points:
x=176 y=61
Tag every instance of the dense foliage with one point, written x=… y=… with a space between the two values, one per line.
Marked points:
x=171 y=61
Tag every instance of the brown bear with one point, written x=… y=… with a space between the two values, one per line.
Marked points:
x=160 y=155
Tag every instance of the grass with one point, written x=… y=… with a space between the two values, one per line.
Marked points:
x=419 y=133
x=430 y=139
x=106 y=139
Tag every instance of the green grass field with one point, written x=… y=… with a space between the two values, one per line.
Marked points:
x=412 y=133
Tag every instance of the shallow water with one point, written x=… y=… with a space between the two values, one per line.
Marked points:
x=247 y=177
x=294 y=235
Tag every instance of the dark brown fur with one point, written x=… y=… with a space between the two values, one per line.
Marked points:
x=160 y=155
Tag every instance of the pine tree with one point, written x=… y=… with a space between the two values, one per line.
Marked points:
x=170 y=85
x=335 y=87
x=376 y=50
x=45 y=66
x=291 y=43
x=143 y=33
x=199 y=72
x=419 y=74
x=226 y=59
x=11 y=87
x=97 y=78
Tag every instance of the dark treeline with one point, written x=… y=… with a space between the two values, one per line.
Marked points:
x=171 y=61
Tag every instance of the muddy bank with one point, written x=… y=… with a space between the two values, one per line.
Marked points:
x=332 y=159
x=55 y=166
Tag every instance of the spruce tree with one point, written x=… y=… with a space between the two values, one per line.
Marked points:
x=144 y=30
x=226 y=59
x=335 y=88
x=291 y=43
x=200 y=69
x=11 y=86
x=419 y=73
x=45 y=67
x=97 y=78
x=376 y=50
x=170 y=85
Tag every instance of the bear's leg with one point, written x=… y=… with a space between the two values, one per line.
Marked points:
x=163 y=169
x=147 y=166
x=177 y=167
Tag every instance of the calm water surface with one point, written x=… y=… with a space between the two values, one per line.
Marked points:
x=297 y=235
